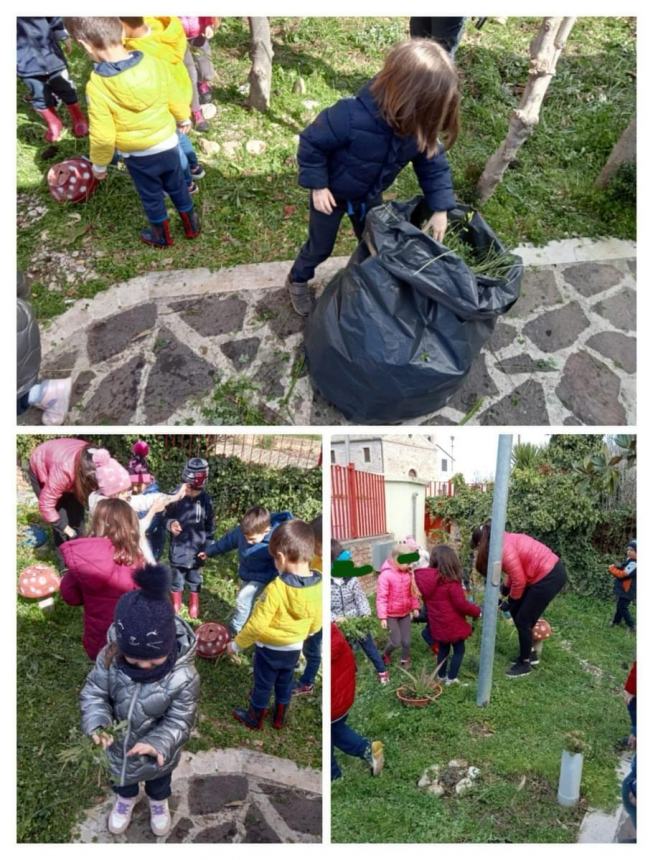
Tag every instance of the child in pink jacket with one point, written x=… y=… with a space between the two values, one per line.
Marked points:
x=198 y=63
x=397 y=603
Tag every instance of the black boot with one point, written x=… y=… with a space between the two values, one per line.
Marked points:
x=158 y=235
x=301 y=297
x=280 y=713
x=252 y=717
x=191 y=222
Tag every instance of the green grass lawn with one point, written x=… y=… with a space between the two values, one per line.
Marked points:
x=251 y=206
x=516 y=740
x=51 y=669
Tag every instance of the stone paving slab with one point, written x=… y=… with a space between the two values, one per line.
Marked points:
x=226 y=796
x=151 y=350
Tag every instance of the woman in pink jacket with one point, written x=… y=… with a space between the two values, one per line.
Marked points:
x=100 y=569
x=397 y=603
x=534 y=574
x=62 y=474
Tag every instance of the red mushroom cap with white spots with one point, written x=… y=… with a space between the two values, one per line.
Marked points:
x=38 y=581
x=212 y=640
x=541 y=630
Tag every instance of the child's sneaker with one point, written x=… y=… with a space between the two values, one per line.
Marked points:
x=193 y=188
x=405 y=662
x=374 y=757
x=159 y=817
x=199 y=122
x=197 y=171
x=534 y=658
x=303 y=689
x=121 y=814
x=54 y=400
x=451 y=681
x=204 y=92
x=384 y=677
x=519 y=669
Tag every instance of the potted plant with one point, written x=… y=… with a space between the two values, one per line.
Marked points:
x=420 y=690
x=571 y=768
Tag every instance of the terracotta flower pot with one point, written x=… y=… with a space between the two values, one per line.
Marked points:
x=417 y=702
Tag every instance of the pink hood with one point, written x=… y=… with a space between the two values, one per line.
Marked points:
x=53 y=465
x=525 y=561
x=394 y=596
x=94 y=580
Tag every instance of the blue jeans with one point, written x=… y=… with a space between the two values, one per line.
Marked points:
x=426 y=636
x=347 y=741
x=156 y=789
x=46 y=89
x=629 y=786
x=322 y=234
x=156 y=175
x=244 y=603
x=369 y=648
x=273 y=670
x=312 y=650
x=446 y=31
x=458 y=652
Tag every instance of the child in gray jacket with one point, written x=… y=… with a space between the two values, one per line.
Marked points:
x=145 y=680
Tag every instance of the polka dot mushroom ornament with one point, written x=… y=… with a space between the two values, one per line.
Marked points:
x=72 y=180
x=39 y=582
x=212 y=640
x=541 y=630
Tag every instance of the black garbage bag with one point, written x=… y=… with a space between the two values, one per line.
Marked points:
x=395 y=332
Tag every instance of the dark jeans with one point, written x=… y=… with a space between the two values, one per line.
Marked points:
x=526 y=611
x=155 y=174
x=368 y=646
x=156 y=534
x=629 y=786
x=46 y=89
x=400 y=631
x=190 y=576
x=156 y=789
x=22 y=404
x=71 y=512
x=426 y=636
x=447 y=32
x=623 y=612
x=458 y=652
x=322 y=234
x=273 y=670
x=347 y=741
x=632 y=712
x=312 y=650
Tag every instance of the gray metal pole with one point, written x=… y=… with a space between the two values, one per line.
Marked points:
x=493 y=580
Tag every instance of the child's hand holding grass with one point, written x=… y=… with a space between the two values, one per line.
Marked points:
x=102 y=739
x=147 y=749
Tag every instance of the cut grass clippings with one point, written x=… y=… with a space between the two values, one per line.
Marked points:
x=251 y=206
x=516 y=741
x=51 y=669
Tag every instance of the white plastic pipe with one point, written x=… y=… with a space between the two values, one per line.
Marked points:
x=571 y=772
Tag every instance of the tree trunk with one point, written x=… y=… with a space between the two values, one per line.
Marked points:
x=260 y=75
x=622 y=152
x=545 y=51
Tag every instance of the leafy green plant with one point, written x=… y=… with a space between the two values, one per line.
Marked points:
x=86 y=758
x=356 y=627
x=576 y=742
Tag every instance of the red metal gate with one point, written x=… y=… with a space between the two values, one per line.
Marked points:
x=357 y=503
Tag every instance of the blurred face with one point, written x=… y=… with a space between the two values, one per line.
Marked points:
x=403 y=567
x=631 y=553
x=145 y=664
x=193 y=492
x=256 y=537
x=137 y=489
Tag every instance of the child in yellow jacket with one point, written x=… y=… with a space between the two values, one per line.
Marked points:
x=134 y=111
x=164 y=38
x=289 y=611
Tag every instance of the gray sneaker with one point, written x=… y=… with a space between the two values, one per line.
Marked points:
x=301 y=297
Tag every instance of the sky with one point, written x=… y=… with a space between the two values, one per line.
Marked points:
x=475 y=449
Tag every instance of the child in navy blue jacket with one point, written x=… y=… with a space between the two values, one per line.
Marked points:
x=256 y=566
x=354 y=150
x=41 y=65
x=190 y=522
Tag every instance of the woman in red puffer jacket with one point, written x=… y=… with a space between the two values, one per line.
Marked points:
x=343 y=693
x=100 y=569
x=446 y=608
x=534 y=574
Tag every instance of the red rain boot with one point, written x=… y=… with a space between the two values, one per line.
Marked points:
x=252 y=717
x=194 y=604
x=279 y=717
x=158 y=235
x=176 y=600
x=191 y=223
x=80 y=125
x=54 y=124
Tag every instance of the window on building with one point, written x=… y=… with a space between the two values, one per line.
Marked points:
x=366 y=455
x=445 y=465
x=412 y=473
x=333 y=456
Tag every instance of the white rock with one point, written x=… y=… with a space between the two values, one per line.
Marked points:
x=256 y=147
x=310 y=105
x=473 y=772
x=424 y=780
x=436 y=789
x=299 y=87
x=243 y=89
x=209 y=147
x=458 y=762
x=464 y=785
x=230 y=148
